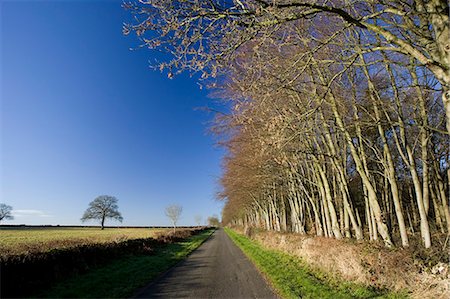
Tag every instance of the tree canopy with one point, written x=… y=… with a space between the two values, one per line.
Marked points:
x=101 y=208
x=5 y=212
x=173 y=212
x=207 y=36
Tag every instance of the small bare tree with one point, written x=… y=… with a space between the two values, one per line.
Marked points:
x=5 y=212
x=174 y=213
x=198 y=220
x=102 y=207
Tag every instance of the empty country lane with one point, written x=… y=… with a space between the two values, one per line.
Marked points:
x=217 y=269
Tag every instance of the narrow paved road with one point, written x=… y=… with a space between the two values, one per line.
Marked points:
x=217 y=269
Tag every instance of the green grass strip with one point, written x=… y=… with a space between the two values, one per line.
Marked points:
x=122 y=277
x=292 y=278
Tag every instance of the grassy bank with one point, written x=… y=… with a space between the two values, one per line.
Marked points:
x=121 y=278
x=292 y=278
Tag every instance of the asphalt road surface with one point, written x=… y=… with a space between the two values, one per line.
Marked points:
x=217 y=269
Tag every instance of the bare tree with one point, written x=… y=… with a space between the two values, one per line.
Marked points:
x=174 y=213
x=102 y=207
x=5 y=212
x=198 y=220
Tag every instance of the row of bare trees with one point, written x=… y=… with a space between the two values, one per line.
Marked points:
x=339 y=109
x=362 y=155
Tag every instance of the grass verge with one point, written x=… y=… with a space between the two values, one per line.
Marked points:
x=122 y=277
x=292 y=278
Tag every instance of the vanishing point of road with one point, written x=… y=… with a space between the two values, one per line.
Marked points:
x=217 y=269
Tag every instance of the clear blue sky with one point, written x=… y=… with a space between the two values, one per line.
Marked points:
x=82 y=116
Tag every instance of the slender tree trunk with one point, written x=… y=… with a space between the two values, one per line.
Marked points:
x=389 y=164
x=442 y=196
x=438 y=212
x=372 y=196
x=402 y=145
x=329 y=201
x=342 y=182
x=424 y=226
x=368 y=216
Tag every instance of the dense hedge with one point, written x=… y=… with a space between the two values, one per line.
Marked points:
x=24 y=274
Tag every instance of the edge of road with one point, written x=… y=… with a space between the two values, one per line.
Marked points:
x=141 y=290
x=263 y=275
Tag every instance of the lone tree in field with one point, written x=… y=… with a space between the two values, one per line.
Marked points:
x=174 y=213
x=102 y=207
x=5 y=212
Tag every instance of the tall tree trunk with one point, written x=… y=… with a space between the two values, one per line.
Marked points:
x=423 y=139
x=329 y=201
x=442 y=196
x=389 y=163
x=342 y=181
x=408 y=158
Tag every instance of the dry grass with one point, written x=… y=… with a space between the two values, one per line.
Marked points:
x=15 y=241
x=363 y=262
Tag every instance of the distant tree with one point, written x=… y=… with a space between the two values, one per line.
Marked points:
x=213 y=221
x=5 y=212
x=102 y=207
x=198 y=220
x=174 y=213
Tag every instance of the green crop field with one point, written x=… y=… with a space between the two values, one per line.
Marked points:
x=40 y=239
